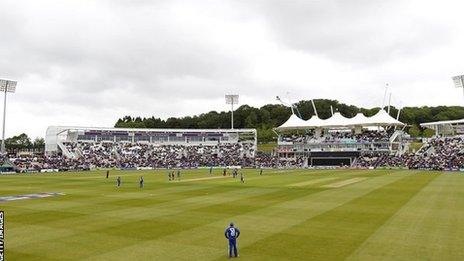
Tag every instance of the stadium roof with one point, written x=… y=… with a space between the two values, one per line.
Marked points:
x=359 y=119
x=337 y=120
x=382 y=118
x=65 y=128
x=292 y=123
x=436 y=123
x=314 y=122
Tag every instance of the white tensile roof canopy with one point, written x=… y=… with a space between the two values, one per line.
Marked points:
x=294 y=122
x=359 y=119
x=382 y=118
x=314 y=122
x=337 y=120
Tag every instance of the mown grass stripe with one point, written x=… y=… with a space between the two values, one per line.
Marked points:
x=311 y=182
x=200 y=232
x=160 y=226
x=335 y=234
x=189 y=218
x=427 y=227
x=343 y=183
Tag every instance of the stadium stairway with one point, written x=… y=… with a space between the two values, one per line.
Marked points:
x=425 y=149
x=65 y=151
x=79 y=152
x=395 y=135
x=354 y=162
x=116 y=153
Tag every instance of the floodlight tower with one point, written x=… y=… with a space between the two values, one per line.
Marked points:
x=231 y=99
x=459 y=81
x=6 y=86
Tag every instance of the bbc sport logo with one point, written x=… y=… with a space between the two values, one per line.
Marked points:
x=2 y=236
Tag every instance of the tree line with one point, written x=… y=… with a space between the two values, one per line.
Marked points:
x=273 y=115
x=22 y=141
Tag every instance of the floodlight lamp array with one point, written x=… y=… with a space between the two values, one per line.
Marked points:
x=7 y=86
x=231 y=99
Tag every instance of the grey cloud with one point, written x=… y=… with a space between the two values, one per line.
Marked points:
x=106 y=59
x=131 y=49
x=362 y=32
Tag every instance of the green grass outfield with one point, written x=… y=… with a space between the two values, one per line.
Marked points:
x=283 y=215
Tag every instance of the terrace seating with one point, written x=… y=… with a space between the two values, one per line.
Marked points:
x=438 y=154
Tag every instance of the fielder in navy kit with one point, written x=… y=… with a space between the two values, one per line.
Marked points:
x=232 y=233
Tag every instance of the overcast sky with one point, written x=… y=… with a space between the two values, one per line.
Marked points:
x=89 y=63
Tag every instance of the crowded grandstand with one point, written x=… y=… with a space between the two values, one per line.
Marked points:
x=372 y=142
x=339 y=141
